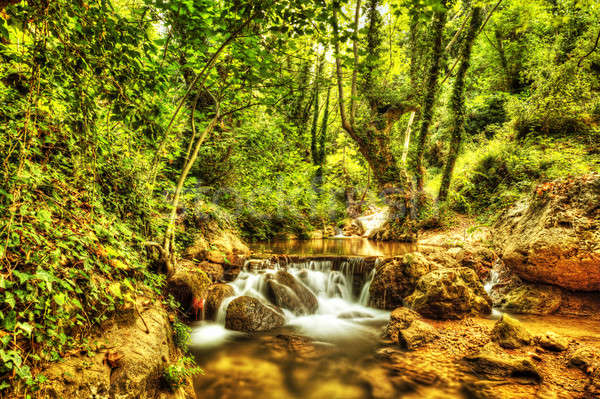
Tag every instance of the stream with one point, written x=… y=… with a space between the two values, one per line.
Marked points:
x=326 y=348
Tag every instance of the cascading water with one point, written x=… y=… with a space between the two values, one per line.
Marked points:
x=342 y=314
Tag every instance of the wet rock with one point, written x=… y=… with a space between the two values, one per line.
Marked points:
x=554 y=237
x=417 y=334
x=492 y=361
x=509 y=333
x=396 y=278
x=532 y=299
x=188 y=285
x=449 y=294
x=405 y=329
x=552 y=341
x=214 y=298
x=214 y=270
x=354 y=315
x=286 y=291
x=249 y=314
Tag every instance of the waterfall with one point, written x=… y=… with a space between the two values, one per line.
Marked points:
x=341 y=286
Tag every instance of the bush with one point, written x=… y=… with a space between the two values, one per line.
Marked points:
x=181 y=334
x=485 y=113
x=176 y=375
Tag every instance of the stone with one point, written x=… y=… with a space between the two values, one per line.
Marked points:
x=214 y=270
x=552 y=341
x=188 y=285
x=248 y=314
x=584 y=357
x=554 y=236
x=396 y=278
x=449 y=294
x=285 y=291
x=532 y=299
x=214 y=298
x=491 y=361
x=407 y=330
x=417 y=334
x=509 y=333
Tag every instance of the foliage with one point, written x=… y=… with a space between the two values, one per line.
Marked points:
x=176 y=375
x=497 y=173
x=181 y=334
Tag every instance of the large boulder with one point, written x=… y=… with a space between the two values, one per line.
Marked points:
x=509 y=333
x=554 y=237
x=216 y=294
x=449 y=294
x=531 y=299
x=189 y=285
x=285 y=291
x=515 y=296
x=250 y=315
x=396 y=278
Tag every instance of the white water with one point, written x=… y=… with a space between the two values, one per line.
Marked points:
x=342 y=314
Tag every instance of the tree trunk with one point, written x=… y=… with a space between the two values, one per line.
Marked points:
x=431 y=85
x=407 y=137
x=458 y=103
x=373 y=139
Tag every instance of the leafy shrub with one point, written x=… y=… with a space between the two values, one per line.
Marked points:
x=485 y=111
x=181 y=334
x=175 y=375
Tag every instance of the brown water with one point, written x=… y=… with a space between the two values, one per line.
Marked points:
x=334 y=246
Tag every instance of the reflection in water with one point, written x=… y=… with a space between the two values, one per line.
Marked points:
x=334 y=246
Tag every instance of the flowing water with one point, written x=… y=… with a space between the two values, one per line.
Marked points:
x=328 y=347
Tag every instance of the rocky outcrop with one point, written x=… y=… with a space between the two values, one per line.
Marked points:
x=513 y=295
x=449 y=294
x=127 y=364
x=396 y=278
x=189 y=285
x=216 y=294
x=554 y=237
x=285 y=291
x=250 y=315
x=509 y=333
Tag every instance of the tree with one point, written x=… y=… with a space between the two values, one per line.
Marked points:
x=385 y=103
x=458 y=103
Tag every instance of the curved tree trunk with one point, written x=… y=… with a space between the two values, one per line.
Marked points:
x=374 y=141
